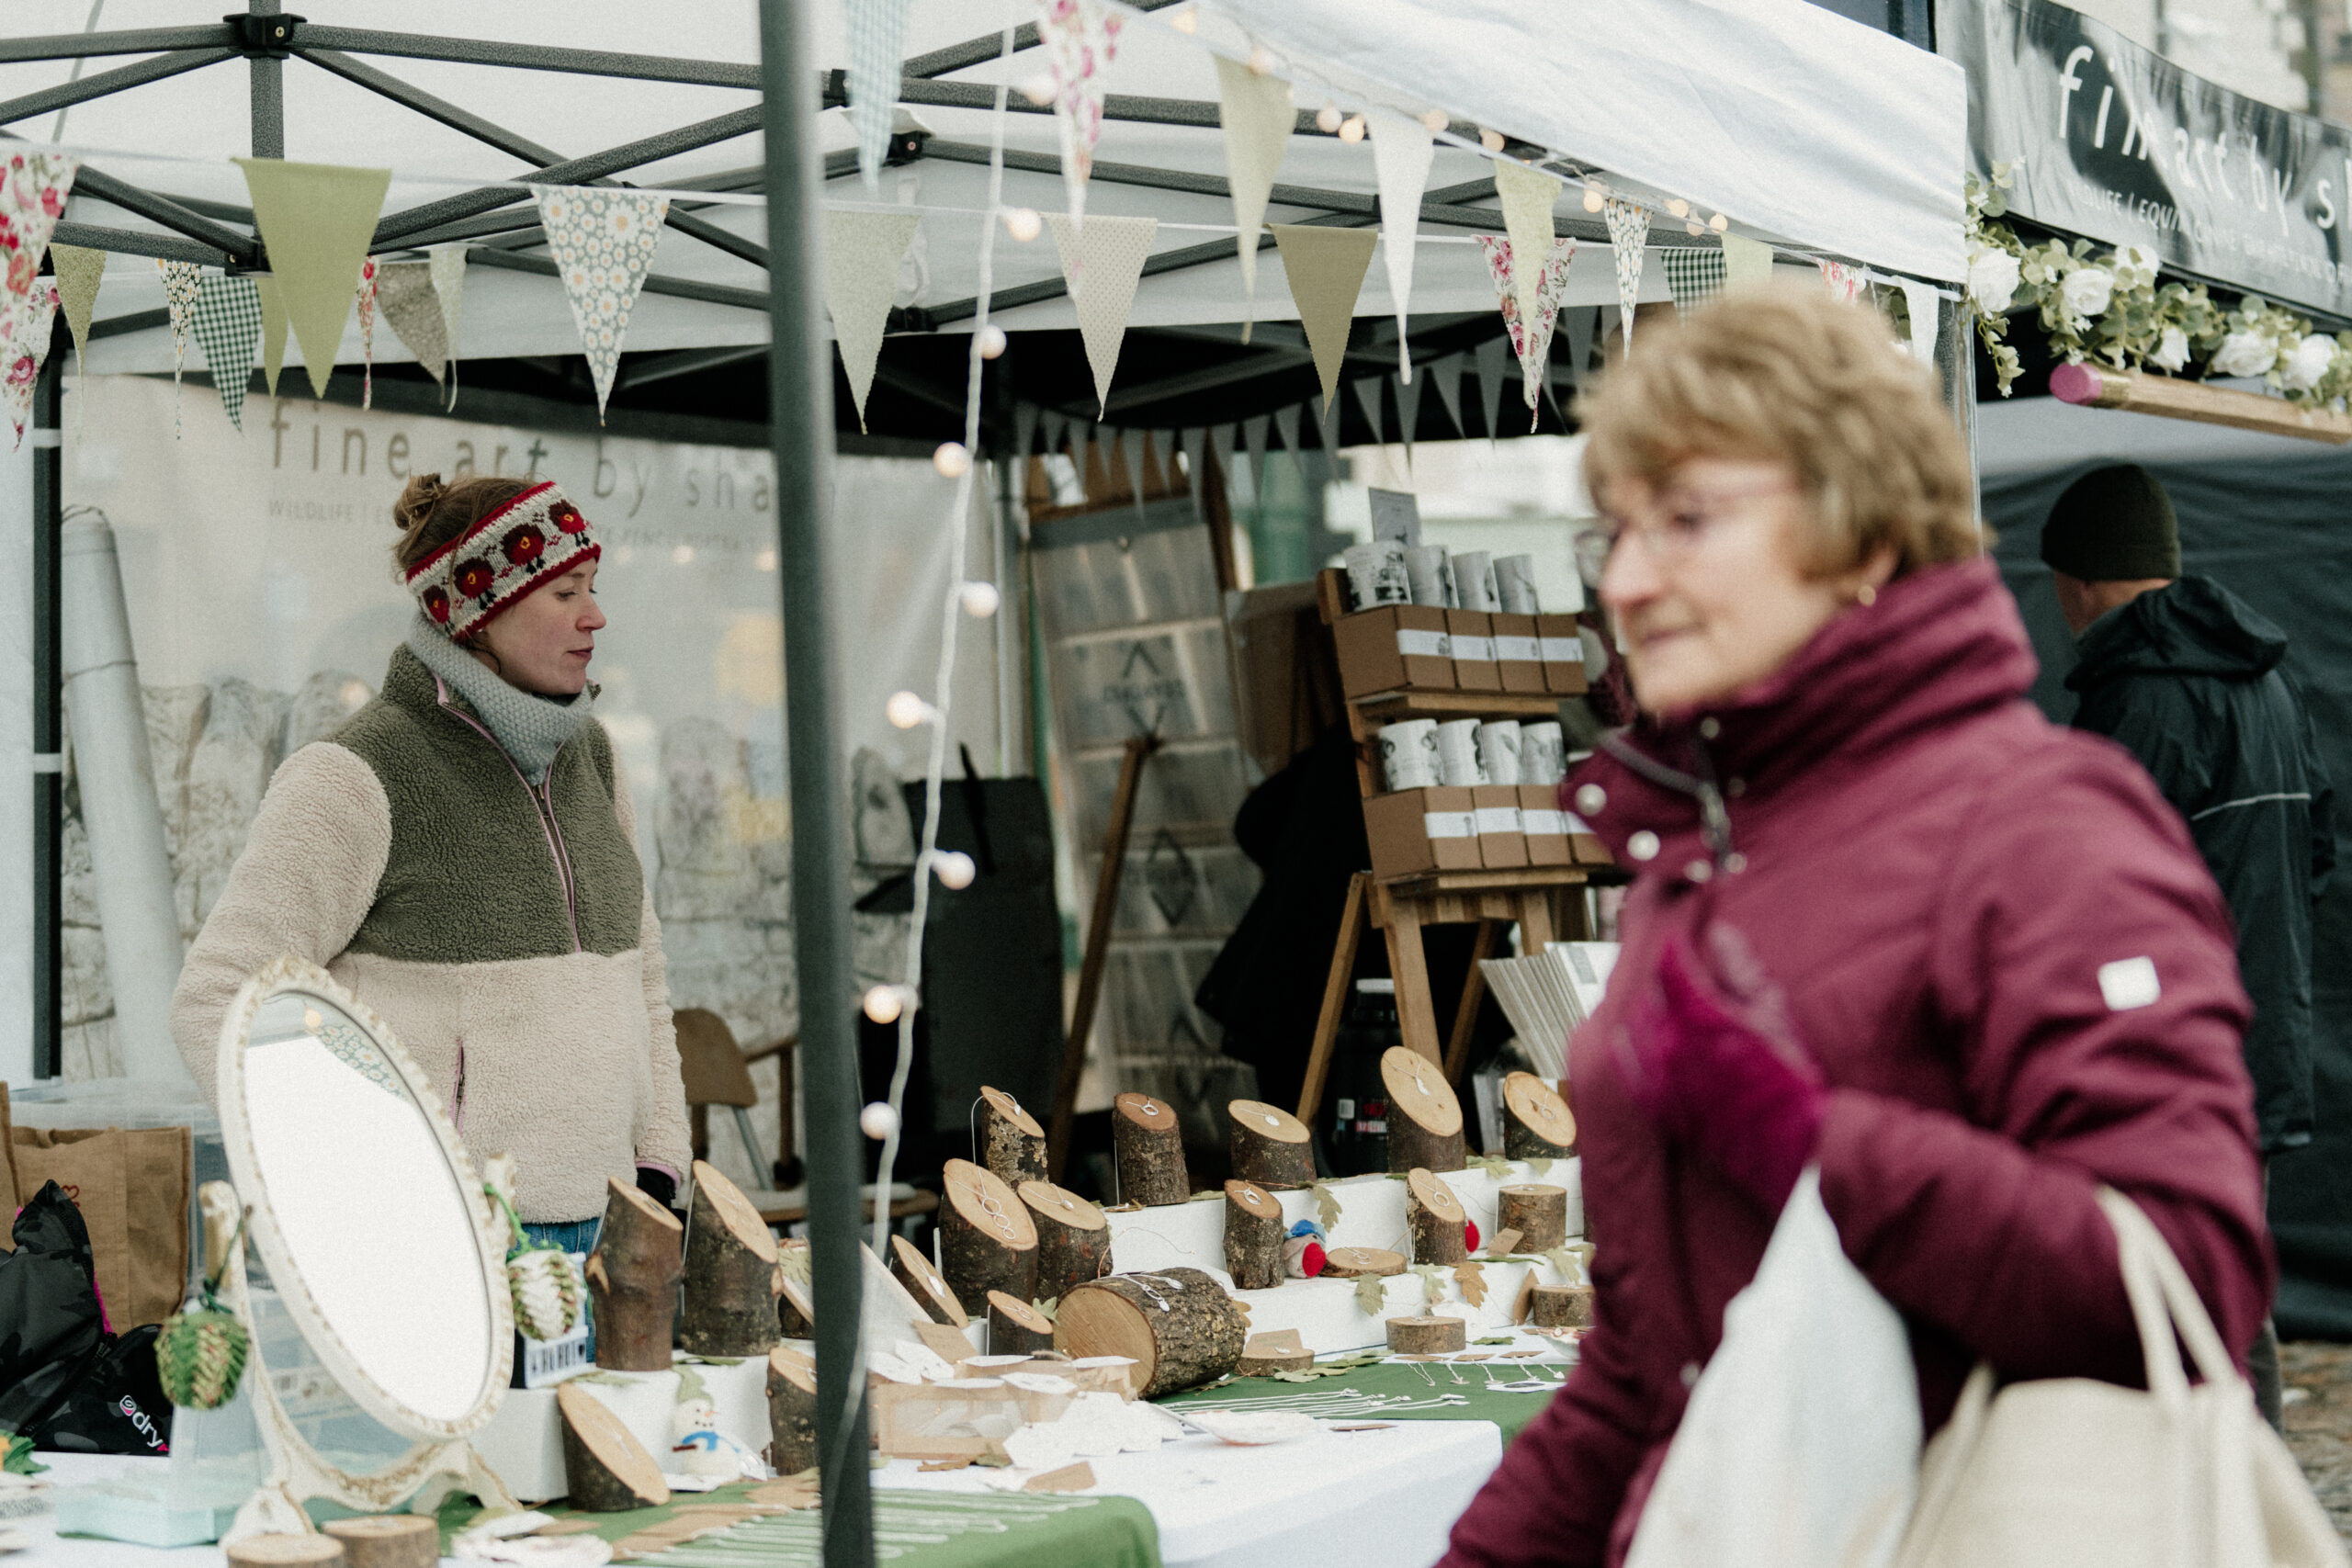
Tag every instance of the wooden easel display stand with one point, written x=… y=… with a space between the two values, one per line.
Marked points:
x=1545 y=902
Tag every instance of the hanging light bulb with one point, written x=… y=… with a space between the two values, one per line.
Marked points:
x=1719 y=223
x=1023 y=224
x=1327 y=119
x=877 y=1121
x=992 y=341
x=905 y=710
x=1435 y=121
x=883 y=1004
x=956 y=869
x=1679 y=206
x=1593 y=197
x=1694 y=229
x=980 y=599
x=1351 y=129
x=953 y=460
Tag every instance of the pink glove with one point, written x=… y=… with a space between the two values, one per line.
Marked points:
x=1713 y=1061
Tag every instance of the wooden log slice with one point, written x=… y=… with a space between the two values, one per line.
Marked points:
x=1269 y=1145
x=387 y=1540
x=1353 y=1262
x=1562 y=1306
x=1178 y=1326
x=606 y=1469
x=1253 y=1236
x=986 y=1239
x=1538 y=1213
x=1149 y=1150
x=1261 y=1360
x=1016 y=1329
x=1073 y=1239
x=795 y=1302
x=1427 y=1335
x=913 y=1271
x=732 y=1278
x=633 y=1282
x=269 y=1550
x=1012 y=1144
x=1536 y=1123
x=1424 y=1117
x=792 y=1412
x=1435 y=1217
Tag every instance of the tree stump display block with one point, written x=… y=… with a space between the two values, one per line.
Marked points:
x=986 y=1239
x=1011 y=1142
x=1178 y=1324
x=387 y=1540
x=1538 y=1213
x=1435 y=1218
x=633 y=1282
x=792 y=1412
x=1424 y=1117
x=1278 y=1351
x=923 y=1281
x=1354 y=1262
x=1536 y=1121
x=732 y=1278
x=1017 y=1328
x=274 y=1550
x=1562 y=1306
x=1254 y=1233
x=606 y=1469
x=1269 y=1145
x=1149 y=1150
x=1073 y=1239
x=1428 y=1335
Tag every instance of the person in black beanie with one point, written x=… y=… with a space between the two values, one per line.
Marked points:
x=2188 y=678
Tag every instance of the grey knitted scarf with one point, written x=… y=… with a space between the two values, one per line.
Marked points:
x=531 y=727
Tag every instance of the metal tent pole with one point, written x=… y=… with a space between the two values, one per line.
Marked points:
x=268 y=74
x=48 y=729
x=800 y=415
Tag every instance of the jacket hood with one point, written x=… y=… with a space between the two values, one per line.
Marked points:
x=1937 y=645
x=2195 y=626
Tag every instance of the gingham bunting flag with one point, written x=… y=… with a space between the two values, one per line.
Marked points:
x=179 y=296
x=1629 y=233
x=228 y=329
x=367 y=333
x=1531 y=338
x=32 y=325
x=1694 y=275
x=1080 y=40
x=602 y=240
x=878 y=40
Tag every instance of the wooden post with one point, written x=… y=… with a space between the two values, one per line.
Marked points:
x=733 y=1281
x=1269 y=1145
x=1178 y=1324
x=633 y=1282
x=1400 y=919
x=1539 y=1214
x=986 y=1242
x=792 y=1412
x=1536 y=1123
x=1424 y=1117
x=1253 y=1236
x=1012 y=1144
x=1335 y=996
x=1473 y=991
x=913 y=1271
x=1073 y=1239
x=1149 y=1147
x=2098 y=387
x=1016 y=1329
x=1098 y=949
x=1435 y=1217
x=606 y=1469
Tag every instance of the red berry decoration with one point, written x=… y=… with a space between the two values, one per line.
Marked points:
x=525 y=545
x=1470 y=1235
x=567 y=517
x=474 y=577
x=437 y=604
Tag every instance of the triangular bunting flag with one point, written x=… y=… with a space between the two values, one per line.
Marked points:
x=862 y=254
x=273 y=330
x=1131 y=446
x=1258 y=116
x=1286 y=423
x=1192 y=443
x=366 y=297
x=1024 y=429
x=1052 y=425
x=404 y=293
x=228 y=330
x=1493 y=354
x=179 y=299
x=603 y=241
x=1368 y=399
x=448 y=263
x=1109 y=254
x=1843 y=281
x=1409 y=411
x=1577 y=326
x=1921 y=300
x=1629 y=233
x=1694 y=275
x=79 y=271
x=1325 y=268
x=1527 y=196
x=1221 y=438
x=1745 y=262
x=1529 y=325
x=316 y=220
x=1401 y=149
x=1080 y=40
x=34 y=188
x=1447 y=375
x=1253 y=434
x=877 y=46
x=35 y=321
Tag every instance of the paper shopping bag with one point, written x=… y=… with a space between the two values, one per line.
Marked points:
x=131 y=1188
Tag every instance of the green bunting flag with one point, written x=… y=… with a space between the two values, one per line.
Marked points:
x=316 y=220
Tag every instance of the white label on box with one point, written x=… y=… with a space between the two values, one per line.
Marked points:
x=1541 y=824
x=1474 y=650
x=1522 y=648
x=1498 y=819
x=1450 y=823
x=1431 y=645
x=1562 y=650
x=1578 y=824
x=548 y=1361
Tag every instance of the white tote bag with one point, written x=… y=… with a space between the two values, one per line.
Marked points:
x=2067 y=1472
x=1801 y=1445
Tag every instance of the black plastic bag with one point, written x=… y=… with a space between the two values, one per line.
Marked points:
x=49 y=1309
x=112 y=1403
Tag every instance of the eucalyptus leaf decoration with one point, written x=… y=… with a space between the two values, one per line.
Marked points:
x=200 y=1355
x=1326 y=1207
x=1371 y=1295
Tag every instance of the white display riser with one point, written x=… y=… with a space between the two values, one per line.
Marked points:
x=1329 y=1320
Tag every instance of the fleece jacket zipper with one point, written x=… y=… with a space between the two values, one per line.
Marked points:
x=542 y=805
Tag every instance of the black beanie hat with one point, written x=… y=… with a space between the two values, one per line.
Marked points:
x=2114 y=524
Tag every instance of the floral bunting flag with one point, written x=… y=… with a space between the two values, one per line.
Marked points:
x=602 y=240
x=1402 y=148
x=1531 y=335
x=1527 y=196
x=1843 y=281
x=226 y=324
x=1629 y=232
x=449 y=263
x=862 y=251
x=1694 y=275
x=367 y=333
x=179 y=296
x=29 y=350
x=1080 y=40
x=1259 y=115
x=33 y=191
x=877 y=42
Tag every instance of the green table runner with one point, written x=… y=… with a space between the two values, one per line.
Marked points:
x=1391 y=1391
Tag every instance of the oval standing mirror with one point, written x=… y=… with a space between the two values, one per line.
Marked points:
x=371 y=1222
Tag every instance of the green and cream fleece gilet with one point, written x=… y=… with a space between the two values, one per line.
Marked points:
x=505 y=931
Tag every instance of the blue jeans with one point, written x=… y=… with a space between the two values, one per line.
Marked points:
x=572 y=1236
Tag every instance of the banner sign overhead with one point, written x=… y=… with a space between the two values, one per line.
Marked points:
x=2113 y=143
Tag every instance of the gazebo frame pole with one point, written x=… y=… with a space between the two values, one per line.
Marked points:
x=800 y=423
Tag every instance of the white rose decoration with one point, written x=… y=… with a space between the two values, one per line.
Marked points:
x=2306 y=363
x=2171 y=351
x=1992 y=279
x=2244 y=353
x=2086 y=291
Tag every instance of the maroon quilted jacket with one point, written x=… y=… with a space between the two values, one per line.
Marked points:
x=1963 y=904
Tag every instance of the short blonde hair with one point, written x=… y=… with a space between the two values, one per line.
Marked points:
x=1787 y=373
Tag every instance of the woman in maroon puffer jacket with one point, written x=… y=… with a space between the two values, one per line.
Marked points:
x=1886 y=919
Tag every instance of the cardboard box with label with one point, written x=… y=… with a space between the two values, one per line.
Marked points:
x=1421 y=829
x=1545 y=825
x=1472 y=632
x=1502 y=843
x=1518 y=654
x=1562 y=651
x=1585 y=844
x=1395 y=647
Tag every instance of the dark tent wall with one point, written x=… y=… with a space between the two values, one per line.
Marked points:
x=2279 y=534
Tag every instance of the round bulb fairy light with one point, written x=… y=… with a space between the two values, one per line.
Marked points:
x=1038 y=89
x=1327 y=119
x=1593 y=197
x=1261 y=60
x=956 y=869
x=952 y=459
x=905 y=710
x=1185 y=21
x=1694 y=230
x=1492 y=140
x=1023 y=224
x=993 y=342
x=1679 y=206
x=883 y=1004
x=980 y=599
x=877 y=1121
x=1351 y=129
x=1435 y=121
x=1719 y=223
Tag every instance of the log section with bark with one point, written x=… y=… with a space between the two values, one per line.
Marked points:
x=633 y=1282
x=1254 y=1233
x=280 y=1550
x=914 y=1271
x=1435 y=1217
x=1269 y=1145
x=1562 y=1306
x=387 y=1540
x=606 y=1469
x=986 y=1240
x=1149 y=1149
x=1016 y=1329
x=1424 y=1117
x=1354 y=1262
x=792 y=1412
x=1178 y=1324
x=1538 y=1213
x=1012 y=1144
x=1073 y=1239
x=1536 y=1123
x=1427 y=1335
x=732 y=1278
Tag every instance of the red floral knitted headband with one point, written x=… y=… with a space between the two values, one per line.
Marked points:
x=494 y=565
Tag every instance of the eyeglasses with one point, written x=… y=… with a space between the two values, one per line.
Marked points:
x=1671 y=528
